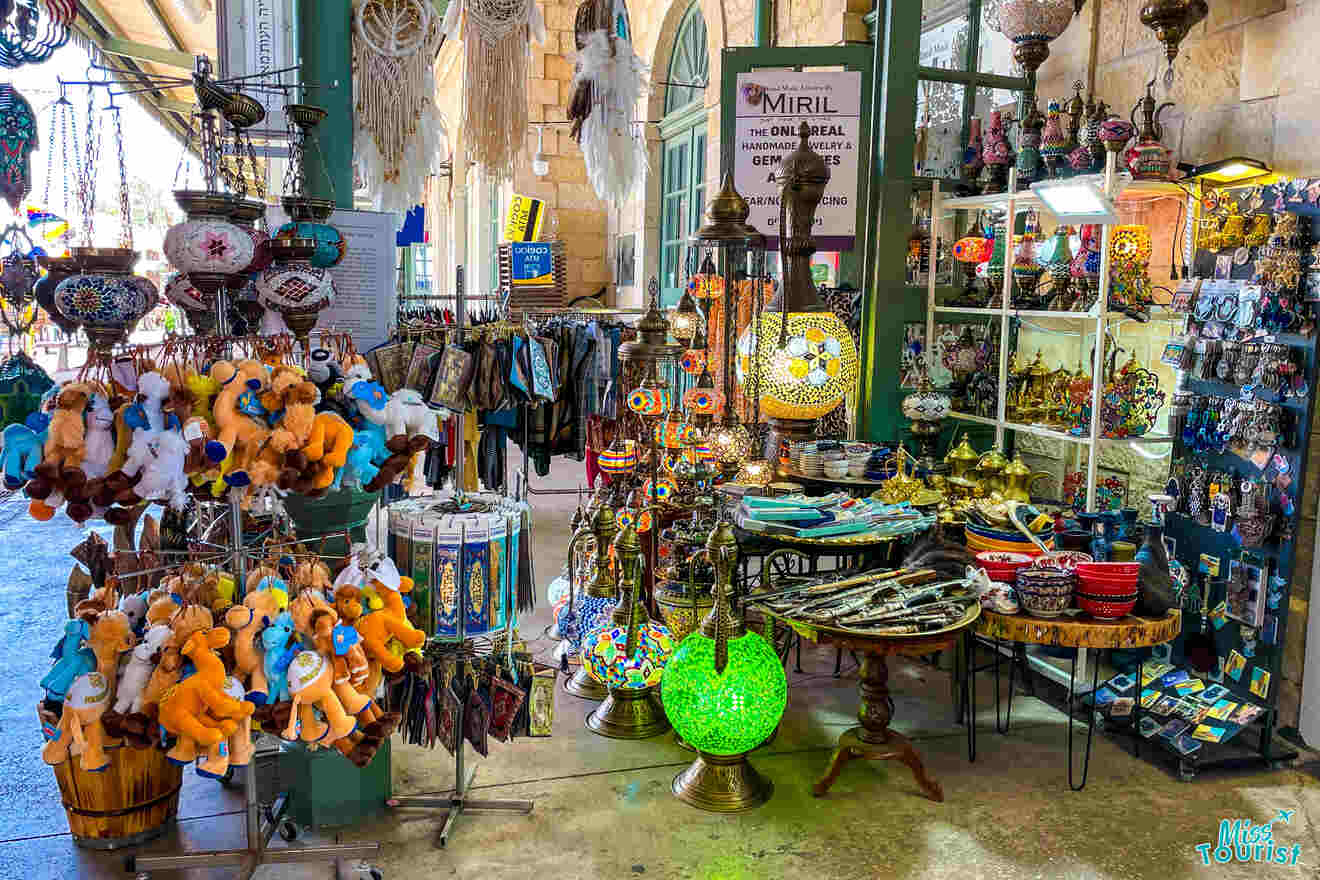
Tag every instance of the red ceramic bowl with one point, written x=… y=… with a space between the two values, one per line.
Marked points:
x=1105 y=608
x=1098 y=587
x=1123 y=582
x=1002 y=559
x=1109 y=569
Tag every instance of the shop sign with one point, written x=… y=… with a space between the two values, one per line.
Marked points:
x=524 y=219
x=256 y=36
x=769 y=108
x=532 y=263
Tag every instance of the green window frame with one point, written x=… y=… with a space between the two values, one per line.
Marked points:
x=683 y=145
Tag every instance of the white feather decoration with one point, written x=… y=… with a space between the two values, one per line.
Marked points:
x=615 y=155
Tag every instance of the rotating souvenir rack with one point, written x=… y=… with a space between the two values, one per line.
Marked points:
x=1246 y=356
x=1093 y=323
x=260 y=824
x=467 y=611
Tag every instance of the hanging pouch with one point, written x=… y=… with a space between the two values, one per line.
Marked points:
x=542 y=384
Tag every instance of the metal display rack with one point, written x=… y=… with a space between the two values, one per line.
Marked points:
x=260 y=824
x=1096 y=321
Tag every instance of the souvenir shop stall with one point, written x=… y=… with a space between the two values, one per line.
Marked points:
x=260 y=606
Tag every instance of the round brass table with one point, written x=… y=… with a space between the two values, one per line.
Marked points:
x=872 y=740
x=1077 y=632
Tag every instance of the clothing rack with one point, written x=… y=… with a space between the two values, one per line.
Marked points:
x=258 y=829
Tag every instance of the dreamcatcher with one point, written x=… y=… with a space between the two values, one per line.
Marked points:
x=608 y=82
x=400 y=137
x=496 y=43
x=31 y=30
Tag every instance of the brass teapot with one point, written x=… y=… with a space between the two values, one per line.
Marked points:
x=990 y=471
x=1018 y=479
x=962 y=459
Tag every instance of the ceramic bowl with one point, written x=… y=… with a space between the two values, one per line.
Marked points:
x=1109 y=569
x=1106 y=586
x=1105 y=607
x=836 y=470
x=1045 y=592
x=1067 y=560
x=976 y=543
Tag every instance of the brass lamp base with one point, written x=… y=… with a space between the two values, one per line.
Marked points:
x=722 y=784
x=629 y=714
x=688 y=747
x=582 y=685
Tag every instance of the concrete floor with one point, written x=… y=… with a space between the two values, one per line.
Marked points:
x=604 y=809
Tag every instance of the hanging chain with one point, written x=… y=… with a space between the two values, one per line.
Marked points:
x=125 y=212
x=87 y=174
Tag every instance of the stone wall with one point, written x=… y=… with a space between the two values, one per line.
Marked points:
x=575 y=215
x=1245 y=82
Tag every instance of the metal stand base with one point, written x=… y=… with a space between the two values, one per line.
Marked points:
x=722 y=784
x=457 y=803
x=583 y=686
x=629 y=714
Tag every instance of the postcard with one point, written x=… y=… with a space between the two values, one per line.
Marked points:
x=1152 y=671
x=1121 y=683
x=1150 y=698
x=1104 y=696
x=1149 y=726
x=1172 y=678
x=1190 y=686
x=1246 y=713
x=1121 y=708
x=1213 y=694
x=1208 y=733
x=1166 y=706
x=1222 y=710
x=1173 y=728
x=1260 y=683
x=1234 y=665
x=1185 y=745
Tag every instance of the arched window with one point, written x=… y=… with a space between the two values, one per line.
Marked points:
x=683 y=151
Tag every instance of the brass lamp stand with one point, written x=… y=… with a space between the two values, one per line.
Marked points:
x=601 y=586
x=628 y=712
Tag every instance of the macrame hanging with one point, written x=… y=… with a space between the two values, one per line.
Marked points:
x=496 y=43
x=400 y=137
x=608 y=82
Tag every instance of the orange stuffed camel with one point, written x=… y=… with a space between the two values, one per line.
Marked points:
x=198 y=711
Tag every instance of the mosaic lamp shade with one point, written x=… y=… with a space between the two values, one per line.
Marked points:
x=605 y=655
x=650 y=399
x=619 y=459
x=808 y=375
x=724 y=691
x=108 y=304
x=1031 y=24
x=207 y=245
x=685 y=322
x=330 y=246
x=298 y=291
x=693 y=361
x=730 y=443
x=757 y=472
x=702 y=401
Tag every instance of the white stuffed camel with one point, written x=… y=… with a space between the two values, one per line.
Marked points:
x=136 y=673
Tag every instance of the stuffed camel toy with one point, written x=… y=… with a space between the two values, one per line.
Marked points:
x=198 y=711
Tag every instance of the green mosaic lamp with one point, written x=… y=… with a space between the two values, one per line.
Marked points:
x=724 y=691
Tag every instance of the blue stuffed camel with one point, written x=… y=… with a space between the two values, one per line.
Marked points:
x=359 y=468
x=282 y=644
x=72 y=658
x=20 y=449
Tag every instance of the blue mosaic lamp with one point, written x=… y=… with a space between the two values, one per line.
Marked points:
x=590 y=609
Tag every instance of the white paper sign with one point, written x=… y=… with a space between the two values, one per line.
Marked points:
x=770 y=105
x=256 y=36
x=366 y=280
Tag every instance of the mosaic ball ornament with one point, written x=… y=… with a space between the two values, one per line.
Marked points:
x=650 y=401
x=672 y=434
x=104 y=301
x=726 y=713
x=730 y=444
x=589 y=613
x=692 y=362
x=618 y=461
x=330 y=244
x=661 y=489
x=807 y=377
x=209 y=244
x=702 y=401
x=971 y=250
x=295 y=288
x=638 y=519
x=706 y=286
x=605 y=656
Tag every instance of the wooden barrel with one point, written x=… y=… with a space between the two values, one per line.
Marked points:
x=131 y=801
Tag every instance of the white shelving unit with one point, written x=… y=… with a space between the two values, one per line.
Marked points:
x=1095 y=321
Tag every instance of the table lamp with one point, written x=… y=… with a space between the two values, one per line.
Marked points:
x=800 y=357
x=584 y=613
x=627 y=655
x=724 y=690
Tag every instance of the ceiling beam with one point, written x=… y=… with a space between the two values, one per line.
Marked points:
x=144 y=52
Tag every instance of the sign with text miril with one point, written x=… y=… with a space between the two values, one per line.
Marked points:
x=770 y=106
x=532 y=263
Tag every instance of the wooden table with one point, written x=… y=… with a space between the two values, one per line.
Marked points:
x=1080 y=631
x=872 y=740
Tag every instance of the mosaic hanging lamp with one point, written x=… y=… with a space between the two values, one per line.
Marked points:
x=18 y=138
x=724 y=690
x=1171 y=20
x=1031 y=25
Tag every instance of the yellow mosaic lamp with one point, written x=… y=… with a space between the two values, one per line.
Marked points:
x=799 y=357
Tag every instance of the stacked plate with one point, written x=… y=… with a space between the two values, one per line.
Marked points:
x=980 y=538
x=858 y=456
x=1107 y=590
x=813 y=464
